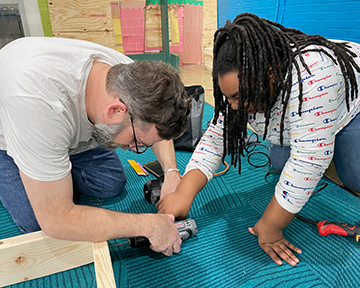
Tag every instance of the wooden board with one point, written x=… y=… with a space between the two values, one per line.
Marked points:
x=35 y=255
x=103 y=38
x=209 y=22
x=69 y=17
x=103 y=267
x=80 y=15
x=208 y=57
x=153 y=27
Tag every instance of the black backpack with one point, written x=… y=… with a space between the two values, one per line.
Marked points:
x=193 y=133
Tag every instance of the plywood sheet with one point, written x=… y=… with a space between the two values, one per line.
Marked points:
x=209 y=21
x=208 y=57
x=103 y=38
x=80 y=15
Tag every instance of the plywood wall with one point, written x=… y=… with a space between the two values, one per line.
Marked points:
x=92 y=20
x=209 y=22
x=83 y=19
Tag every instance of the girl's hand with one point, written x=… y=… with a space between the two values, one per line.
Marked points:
x=275 y=245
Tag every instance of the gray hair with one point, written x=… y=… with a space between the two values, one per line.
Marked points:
x=153 y=93
x=104 y=134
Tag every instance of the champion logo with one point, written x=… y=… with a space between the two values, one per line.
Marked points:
x=322 y=159
x=210 y=130
x=288 y=183
x=317 y=96
x=298 y=140
x=328 y=120
x=311 y=179
x=323 y=87
x=203 y=143
x=321 y=128
x=324 y=144
x=326 y=112
x=318 y=80
x=309 y=66
x=211 y=152
x=292 y=114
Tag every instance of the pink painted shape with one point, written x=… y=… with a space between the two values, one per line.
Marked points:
x=128 y=47
x=132 y=22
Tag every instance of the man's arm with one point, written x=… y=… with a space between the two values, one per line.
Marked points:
x=60 y=218
x=165 y=153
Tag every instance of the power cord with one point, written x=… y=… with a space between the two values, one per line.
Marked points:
x=250 y=145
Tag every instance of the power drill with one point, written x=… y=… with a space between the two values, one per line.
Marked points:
x=187 y=228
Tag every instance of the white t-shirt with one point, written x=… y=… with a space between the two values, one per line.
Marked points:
x=42 y=102
x=311 y=136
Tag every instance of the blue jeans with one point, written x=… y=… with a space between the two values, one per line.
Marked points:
x=97 y=172
x=346 y=154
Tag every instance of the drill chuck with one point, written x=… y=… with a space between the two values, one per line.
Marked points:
x=152 y=191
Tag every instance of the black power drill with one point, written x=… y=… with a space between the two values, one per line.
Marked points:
x=187 y=228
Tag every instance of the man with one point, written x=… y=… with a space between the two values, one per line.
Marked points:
x=60 y=99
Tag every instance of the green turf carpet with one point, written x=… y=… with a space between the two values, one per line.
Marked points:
x=224 y=253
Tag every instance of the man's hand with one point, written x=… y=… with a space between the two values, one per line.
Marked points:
x=171 y=181
x=165 y=153
x=176 y=204
x=164 y=237
x=274 y=244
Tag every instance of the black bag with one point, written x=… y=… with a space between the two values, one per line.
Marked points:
x=193 y=133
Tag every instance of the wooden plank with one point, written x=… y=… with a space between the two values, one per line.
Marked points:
x=208 y=57
x=209 y=21
x=36 y=255
x=103 y=38
x=80 y=15
x=153 y=28
x=103 y=266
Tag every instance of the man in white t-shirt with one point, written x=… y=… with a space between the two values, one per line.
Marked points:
x=64 y=105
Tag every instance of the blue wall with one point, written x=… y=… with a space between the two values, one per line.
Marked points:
x=334 y=19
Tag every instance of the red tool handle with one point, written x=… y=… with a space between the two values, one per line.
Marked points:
x=328 y=227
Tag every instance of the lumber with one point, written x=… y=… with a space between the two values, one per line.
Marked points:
x=103 y=38
x=209 y=22
x=103 y=266
x=80 y=15
x=35 y=255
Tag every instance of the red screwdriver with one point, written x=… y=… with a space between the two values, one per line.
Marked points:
x=326 y=227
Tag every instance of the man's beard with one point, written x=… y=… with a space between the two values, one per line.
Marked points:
x=104 y=134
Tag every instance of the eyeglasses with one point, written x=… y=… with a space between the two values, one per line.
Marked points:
x=137 y=148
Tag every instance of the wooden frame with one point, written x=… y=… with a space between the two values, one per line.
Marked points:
x=34 y=255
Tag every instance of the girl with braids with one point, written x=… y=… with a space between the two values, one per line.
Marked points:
x=298 y=91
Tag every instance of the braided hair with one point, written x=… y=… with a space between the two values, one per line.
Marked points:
x=252 y=46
